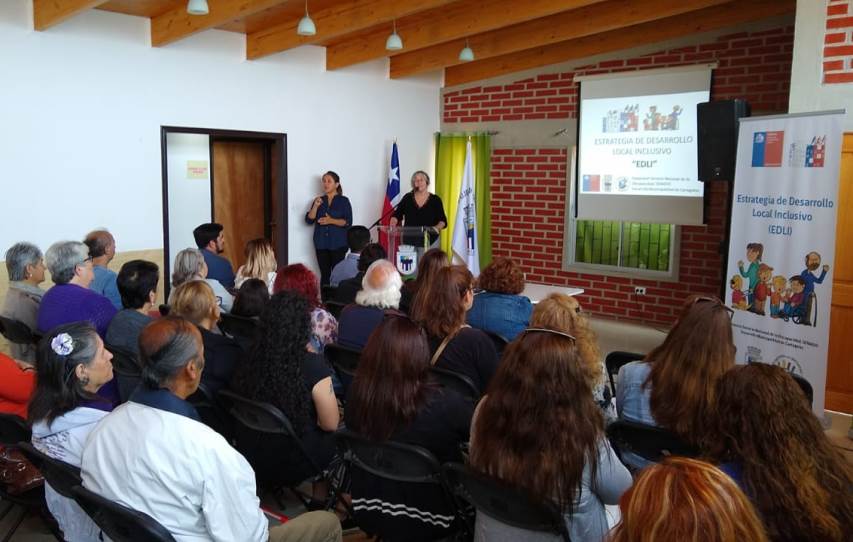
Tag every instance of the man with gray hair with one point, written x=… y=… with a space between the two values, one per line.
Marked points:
x=380 y=290
x=25 y=266
x=153 y=454
x=102 y=250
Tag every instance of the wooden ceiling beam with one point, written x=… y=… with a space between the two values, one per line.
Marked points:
x=47 y=13
x=335 y=21
x=678 y=26
x=455 y=21
x=567 y=25
x=176 y=24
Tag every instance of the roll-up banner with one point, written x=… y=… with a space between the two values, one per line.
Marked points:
x=779 y=277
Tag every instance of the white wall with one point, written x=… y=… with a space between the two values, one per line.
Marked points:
x=807 y=91
x=189 y=199
x=81 y=106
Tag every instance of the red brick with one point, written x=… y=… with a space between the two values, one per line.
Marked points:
x=492 y=89
x=833 y=65
x=838 y=37
x=841 y=50
x=838 y=78
x=840 y=22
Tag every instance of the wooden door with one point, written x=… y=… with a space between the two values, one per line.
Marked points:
x=839 y=373
x=239 y=194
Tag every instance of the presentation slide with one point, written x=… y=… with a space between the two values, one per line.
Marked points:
x=643 y=146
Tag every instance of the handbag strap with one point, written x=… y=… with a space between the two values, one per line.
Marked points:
x=444 y=344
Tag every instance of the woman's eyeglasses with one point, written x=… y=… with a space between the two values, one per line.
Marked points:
x=699 y=299
x=552 y=331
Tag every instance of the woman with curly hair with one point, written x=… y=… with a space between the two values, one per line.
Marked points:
x=298 y=278
x=428 y=266
x=768 y=440
x=689 y=501
x=674 y=386
x=440 y=308
x=501 y=309
x=561 y=312
x=260 y=264
x=281 y=371
x=539 y=430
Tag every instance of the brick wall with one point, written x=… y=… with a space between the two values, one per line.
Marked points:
x=838 y=42
x=529 y=185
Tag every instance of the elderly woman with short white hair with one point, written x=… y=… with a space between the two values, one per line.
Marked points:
x=25 y=266
x=71 y=300
x=190 y=265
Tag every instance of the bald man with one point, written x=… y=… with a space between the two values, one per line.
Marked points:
x=380 y=290
x=102 y=250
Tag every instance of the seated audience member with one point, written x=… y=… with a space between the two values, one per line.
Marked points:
x=72 y=364
x=393 y=398
x=17 y=382
x=208 y=490
x=501 y=309
x=539 y=430
x=563 y=313
x=211 y=243
x=71 y=300
x=357 y=238
x=251 y=299
x=281 y=371
x=440 y=308
x=102 y=250
x=194 y=301
x=347 y=289
x=190 y=265
x=688 y=501
x=298 y=278
x=260 y=264
x=380 y=291
x=25 y=266
x=137 y=284
x=674 y=386
x=428 y=266
x=769 y=441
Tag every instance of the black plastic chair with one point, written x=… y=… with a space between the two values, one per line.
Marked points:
x=614 y=361
x=61 y=476
x=120 y=523
x=238 y=327
x=499 y=341
x=335 y=307
x=806 y=386
x=457 y=382
x=266 y=438
x=647 y=441
x=397 y=463
x=212 y=412
x=14 y=430
x=504 y=503
x=18 y=332
x=164 y=309
x=327 y=292
x=343 y=358
x=127 y=369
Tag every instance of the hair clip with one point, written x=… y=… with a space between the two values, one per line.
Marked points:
x=62 y=344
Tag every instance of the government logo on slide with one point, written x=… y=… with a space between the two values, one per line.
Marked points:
x=767 y=148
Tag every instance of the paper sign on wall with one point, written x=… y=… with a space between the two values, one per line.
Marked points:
x=197 y=169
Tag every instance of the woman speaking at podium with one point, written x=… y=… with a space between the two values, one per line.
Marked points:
x=331 y=215
x=420 y=208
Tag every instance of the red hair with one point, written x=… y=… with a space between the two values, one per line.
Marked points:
x=300 y=279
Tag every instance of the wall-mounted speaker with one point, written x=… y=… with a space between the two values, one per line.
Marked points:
x=717 y=138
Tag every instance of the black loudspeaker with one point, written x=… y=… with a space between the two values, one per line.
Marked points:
x=717 y=138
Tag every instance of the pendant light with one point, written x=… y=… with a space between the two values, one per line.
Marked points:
x=306 y=25
x=466 y=54
x=197 y=7
x=394 y=42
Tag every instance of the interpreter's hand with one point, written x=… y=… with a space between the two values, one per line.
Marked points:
x=826 y=268
x=318 y=201
x=324 y=220
x=740 y=263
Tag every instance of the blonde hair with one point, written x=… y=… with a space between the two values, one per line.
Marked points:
x=563 y=313
x=689 y=501
x=260 y=260
x=194 y=301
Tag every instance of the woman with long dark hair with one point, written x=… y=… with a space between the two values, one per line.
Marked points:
x=767 y=438
x=393 y=398
x=440 y=308
x=428 y=266
x=72 y=364
x=331 y=216
x=539 y=429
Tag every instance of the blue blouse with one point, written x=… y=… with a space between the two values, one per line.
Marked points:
x=504 y=314
x=329 y=237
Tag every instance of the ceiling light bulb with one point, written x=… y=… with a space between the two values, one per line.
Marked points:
x=394 y=42
x=466 y=54
x=306 y=26
x=197 y=7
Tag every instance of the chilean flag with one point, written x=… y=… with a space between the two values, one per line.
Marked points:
x=392 y=193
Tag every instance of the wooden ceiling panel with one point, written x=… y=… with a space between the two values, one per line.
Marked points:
x=47 y=13
x=287 y=11
x=705 y=20
x=564 y=26
x=177 y=24
x=141 y=8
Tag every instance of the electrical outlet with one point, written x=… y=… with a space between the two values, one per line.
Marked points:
x=639 y=290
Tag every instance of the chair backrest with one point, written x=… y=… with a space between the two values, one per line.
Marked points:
x=17 y=332
x=120 y=523
x=61 y=476
x=13 y=429
x=390 y=460
x=499 y=341
x=238 y=326
x=327 y=292
x=343 y=358
x=127 y=369
x=457 y=382
x=503 y=502
x=650 y=442
x=164 y=309
x=212 y=413
x=806 y=386
x=615 y=360
x=335 y=307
